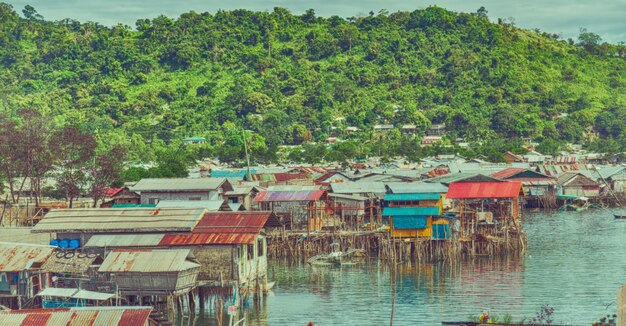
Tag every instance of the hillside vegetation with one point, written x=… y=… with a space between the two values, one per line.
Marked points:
x=286 y=79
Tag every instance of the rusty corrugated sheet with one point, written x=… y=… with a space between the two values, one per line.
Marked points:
x=178 y=184
x=96 y=220
x=232 y=222
x=467 y=190
x=96 y=316
x=134 y=317
x=507 y=173
x=16 y=257
x=146 y=261
x=281 y=196
x=207 y=239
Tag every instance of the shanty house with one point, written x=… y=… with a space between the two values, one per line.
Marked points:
x=229 y=246
x=492 y=205
x=299 y=207
x=411 y=209
x=357 y=201
x=539 y=189
x=241 y=198
x=151 y=272
x=576 y=184
x=154 y=190
x=21 y=276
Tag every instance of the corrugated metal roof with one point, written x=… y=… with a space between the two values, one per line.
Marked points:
x=350 y=197
x=96 y=220
x=211 y=205
x=123 y=240
x=96 y=316
x=466 y=190
x=146 y=261
x=207 y=239
x=280 y=196
x=58 y=292
x=232 y=222
x=358 y=187
x=178 y=184
x=416 y=187
x=404 y=197
x=91 y=295
x=77 y=264
x=411 y=211
x=292 y=188
x=16 y=257
x=75 y=294
x=235 y=174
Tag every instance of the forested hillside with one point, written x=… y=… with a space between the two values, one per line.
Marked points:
x=286 y=78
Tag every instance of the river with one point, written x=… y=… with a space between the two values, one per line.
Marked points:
x=575 y=263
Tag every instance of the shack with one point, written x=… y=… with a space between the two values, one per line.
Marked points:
x=297 y=207
x=151 y=272
x=576 y=184
x=487 y=210
x=21 y=277
x=230 y=246
x=240 y=198
x=412 y=209
x=539 y=189
x=154 y=190
x=357 y=202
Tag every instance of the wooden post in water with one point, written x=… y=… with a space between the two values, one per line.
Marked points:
x=621 y=306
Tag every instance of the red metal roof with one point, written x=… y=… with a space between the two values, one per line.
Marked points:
x=77 y=316
x=463 y=190
x=221 y=228
x=277 y=196
x=110 y=192
x=207 y=239
x=506 y=173
x=134 y=317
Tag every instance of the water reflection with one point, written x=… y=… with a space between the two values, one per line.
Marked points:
x=574 y=262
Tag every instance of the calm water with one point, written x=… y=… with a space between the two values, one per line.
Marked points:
x=575 y=262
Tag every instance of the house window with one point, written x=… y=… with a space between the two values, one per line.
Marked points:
x=250 y=251
x=233 y=200
x=259 y=247
x=153 y=201
x=195 y=198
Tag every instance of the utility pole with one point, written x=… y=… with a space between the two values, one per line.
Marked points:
x=245 y=147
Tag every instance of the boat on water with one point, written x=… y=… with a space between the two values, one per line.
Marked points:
x=337 y=257
x=576 y=205
x=619 y=217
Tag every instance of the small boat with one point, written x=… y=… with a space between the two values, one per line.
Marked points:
x=337 y=258
x=619 y=217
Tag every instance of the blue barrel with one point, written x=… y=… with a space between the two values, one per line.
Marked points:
x=54 y=242
x=64 y=243
x=74 y=243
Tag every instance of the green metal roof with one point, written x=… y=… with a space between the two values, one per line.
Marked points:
x=411 y=211
x=133 y=206
x=423 y=196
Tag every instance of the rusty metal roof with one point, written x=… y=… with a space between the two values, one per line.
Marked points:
x=109 y=220
x=121 y=316
x=232 y=222
x=77 y=264
x=208 y=239
x=16 y=257
x=148 y=261
x=180 y=184
x=280 y=196
x=467 y=190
